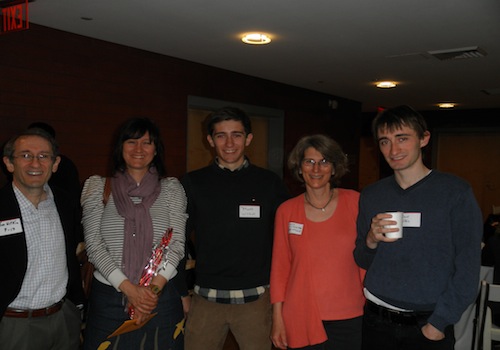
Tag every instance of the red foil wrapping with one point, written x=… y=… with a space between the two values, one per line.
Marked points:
x=155 y=263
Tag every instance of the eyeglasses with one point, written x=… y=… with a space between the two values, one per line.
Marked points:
x=28 y=157
x=310 y=163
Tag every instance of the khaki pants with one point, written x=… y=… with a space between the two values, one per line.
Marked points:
x=208 y=324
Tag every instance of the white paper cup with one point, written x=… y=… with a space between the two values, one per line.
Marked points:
x=398 y=217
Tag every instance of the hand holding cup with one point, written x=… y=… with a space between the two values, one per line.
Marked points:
x=397 y=217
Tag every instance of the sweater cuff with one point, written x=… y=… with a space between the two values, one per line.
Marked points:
x=369 y=250
x=438 y=322
x=116 y=278
x=168 y=272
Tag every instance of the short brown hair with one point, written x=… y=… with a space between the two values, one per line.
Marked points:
x=330 y=150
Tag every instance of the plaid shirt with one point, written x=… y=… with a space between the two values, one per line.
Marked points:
x=238 y=296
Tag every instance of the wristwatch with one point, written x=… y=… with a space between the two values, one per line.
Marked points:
x=155 y=289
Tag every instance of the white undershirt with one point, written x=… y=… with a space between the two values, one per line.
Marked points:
x=380 y=302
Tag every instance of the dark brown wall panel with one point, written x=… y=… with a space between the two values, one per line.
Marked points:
x=85 y=88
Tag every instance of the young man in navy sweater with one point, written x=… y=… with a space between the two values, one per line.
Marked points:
x=417 y=286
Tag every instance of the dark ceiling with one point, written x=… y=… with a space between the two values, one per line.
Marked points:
x=335 y=47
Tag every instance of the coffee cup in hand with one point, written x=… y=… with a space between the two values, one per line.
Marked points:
x=398 y=217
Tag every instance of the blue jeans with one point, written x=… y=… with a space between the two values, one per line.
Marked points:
x=107 y=312
x=382 y=334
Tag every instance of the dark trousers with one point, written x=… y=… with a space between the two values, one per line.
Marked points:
x=382 y=333
x=59 y=331
x=342 y=335
x=107 y=312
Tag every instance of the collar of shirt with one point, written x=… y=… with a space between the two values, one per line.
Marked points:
x=242 y=166
x=26 y=203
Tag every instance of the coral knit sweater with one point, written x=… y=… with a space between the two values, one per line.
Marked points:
x=313 y=271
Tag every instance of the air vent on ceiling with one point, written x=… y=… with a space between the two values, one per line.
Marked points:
x=410 y=57
x=460 y=53
x=491 y=92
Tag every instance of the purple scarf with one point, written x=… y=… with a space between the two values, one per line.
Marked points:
x=138 y=231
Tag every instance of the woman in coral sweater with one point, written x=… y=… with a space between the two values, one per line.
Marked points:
x=316 y=286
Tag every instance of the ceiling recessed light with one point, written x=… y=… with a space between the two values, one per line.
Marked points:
x=256 y=39
x=446 y=105
x=386 y=84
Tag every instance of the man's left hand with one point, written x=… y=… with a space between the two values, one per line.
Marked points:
x=432 y=333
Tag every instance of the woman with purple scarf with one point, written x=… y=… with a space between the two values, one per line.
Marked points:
x=121 y=228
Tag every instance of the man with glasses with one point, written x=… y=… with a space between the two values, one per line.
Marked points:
x=41 y=283
x=231 y=206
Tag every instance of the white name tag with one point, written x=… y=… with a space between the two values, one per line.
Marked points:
x=295 y=228
x=250 y=211
x=10 y=227
x=411 y=219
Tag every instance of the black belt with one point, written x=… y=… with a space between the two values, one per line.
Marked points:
x=22 y=313
x=408 y=318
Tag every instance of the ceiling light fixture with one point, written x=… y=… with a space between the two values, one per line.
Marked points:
x=446 y=105
x=386 y=84
x=256 y=39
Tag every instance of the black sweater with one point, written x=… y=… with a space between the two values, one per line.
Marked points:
x=232 y=252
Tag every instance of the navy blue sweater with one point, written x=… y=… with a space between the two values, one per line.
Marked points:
x=434 y=266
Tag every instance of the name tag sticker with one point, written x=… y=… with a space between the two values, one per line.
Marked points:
x=411 y=219
x=250 y=211
x=295 y=228
x=10 y=227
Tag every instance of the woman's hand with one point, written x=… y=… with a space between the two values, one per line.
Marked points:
x=141 y=298
x=278 y=332
x=138 y=316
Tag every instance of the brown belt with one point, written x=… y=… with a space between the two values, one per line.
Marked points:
x=21 y=313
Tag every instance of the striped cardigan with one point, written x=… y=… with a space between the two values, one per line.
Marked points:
x=103 y=228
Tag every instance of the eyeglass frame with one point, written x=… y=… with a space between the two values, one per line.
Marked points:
x=41 y=157
x=310 y=163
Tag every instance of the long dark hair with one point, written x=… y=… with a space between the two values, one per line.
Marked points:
x=136 y=128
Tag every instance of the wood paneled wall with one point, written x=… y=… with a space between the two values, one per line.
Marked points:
x=85 y=88
x=472 y=155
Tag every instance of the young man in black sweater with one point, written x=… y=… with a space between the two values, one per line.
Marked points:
x=231 y=206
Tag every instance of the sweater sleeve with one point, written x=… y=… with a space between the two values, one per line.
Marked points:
x=281 y=258
x=362 y=254
x=463 y=284
x=92 y=210
x=176 y=207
